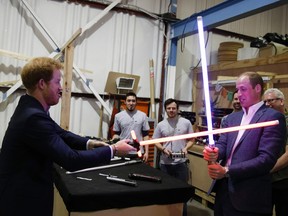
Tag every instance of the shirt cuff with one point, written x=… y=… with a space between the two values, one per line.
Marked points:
x=111 y=149
x=87 y=144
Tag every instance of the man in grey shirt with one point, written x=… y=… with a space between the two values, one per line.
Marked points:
x=132 y=119
x=171 y=126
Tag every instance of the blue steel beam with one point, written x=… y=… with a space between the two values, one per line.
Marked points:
x=220 y=14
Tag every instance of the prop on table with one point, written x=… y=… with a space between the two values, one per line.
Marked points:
x=138 y=176
x=105 y=166
x=83 y=178
x=106 y=175
x=116 y=179
x=122 y=181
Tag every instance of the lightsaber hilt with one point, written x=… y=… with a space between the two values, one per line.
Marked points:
x=212 y=146
x=175 y=155
x=136 y=143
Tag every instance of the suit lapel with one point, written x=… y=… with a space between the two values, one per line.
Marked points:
x=255 y=119
x=236 y=122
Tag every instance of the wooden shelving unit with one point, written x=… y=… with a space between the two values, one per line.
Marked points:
x=277 y=65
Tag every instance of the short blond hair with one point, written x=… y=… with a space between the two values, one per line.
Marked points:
x=39 y=68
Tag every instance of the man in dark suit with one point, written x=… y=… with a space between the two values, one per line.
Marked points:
x=33 y=141
x=243 y=186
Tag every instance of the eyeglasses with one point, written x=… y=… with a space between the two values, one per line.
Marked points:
x=271 y=101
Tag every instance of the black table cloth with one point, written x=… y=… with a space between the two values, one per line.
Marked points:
x=100 y=194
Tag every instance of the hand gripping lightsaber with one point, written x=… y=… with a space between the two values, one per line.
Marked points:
x=207 y=133
x=136 y=143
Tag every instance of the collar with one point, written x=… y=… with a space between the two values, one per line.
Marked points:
x=252 y=109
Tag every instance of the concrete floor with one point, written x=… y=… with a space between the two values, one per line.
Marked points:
x=195 y=208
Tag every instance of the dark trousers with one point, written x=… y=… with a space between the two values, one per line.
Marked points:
x=223 y=205
x=280 y=197
x=179 y=171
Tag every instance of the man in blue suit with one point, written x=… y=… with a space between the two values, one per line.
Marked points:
x=33 y=142
x=243 y=186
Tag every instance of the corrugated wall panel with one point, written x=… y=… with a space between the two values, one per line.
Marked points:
x=119 y=42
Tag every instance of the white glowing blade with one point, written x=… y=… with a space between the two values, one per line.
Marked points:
x=139 y=153
x=205 y=79
x=133 y=135
x=206 y=133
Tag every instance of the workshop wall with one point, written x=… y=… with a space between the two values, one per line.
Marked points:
x=121 y=42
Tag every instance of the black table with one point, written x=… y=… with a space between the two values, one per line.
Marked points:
x=100 y=194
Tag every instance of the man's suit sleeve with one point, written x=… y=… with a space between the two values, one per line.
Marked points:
x=49 y=140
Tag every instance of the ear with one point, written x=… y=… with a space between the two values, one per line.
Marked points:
x=258 y=88
x=41 y=84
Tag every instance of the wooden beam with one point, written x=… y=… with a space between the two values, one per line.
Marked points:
x=101 y=15
x=277 y=59
x=8 y=83
x=71 y=39
x=67 y=83
x=11 y=90
x=14 y=55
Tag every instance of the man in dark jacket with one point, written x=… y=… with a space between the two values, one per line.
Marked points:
x=243 y=186
x=33 y=141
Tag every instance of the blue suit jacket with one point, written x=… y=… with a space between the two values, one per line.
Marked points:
x=249 y=184
x=32 y=142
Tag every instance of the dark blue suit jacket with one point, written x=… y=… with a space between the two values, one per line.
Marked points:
x=249 y=184
x=32 y=142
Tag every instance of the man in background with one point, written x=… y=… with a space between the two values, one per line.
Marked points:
x=132 y=119
x=274 y=98
x=236 y=107
x=171 y=126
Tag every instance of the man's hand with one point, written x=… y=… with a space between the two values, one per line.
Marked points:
x=210 y=155
x=145 y=157
x=123 y=148
x=95 y=143
x=167 y=152
x=216 y=171
x=185 y=151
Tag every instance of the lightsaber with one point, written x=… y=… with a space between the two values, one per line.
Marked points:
x=136 y=143
x=205 y=80
x=207 y=133
x=104 y=167
x=152 y=88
